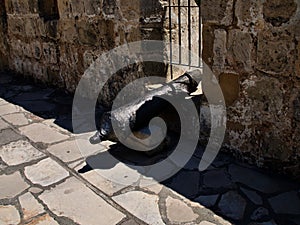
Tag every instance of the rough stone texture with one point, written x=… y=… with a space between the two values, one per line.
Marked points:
x=8 y=109
x=66 y=151
x=73 y=196
x=232 y=205
x=207 y=201
x=8 y=135
x=287 y=203
x=253 y=196
x=142 y=205
x=16 y=119
x=39 y=132
x=46 y=172
x=179 y=212
x=257 y=180
x=11 y=185
x=30 y=206
x=3 y=125
x=101 y=182
x=43 y=220
x=256 y=40
x=9 y=215
x=19 y=152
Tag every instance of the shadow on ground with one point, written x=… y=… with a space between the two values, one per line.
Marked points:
x=238 y=192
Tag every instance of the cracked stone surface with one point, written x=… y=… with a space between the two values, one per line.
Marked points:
x=253 y=196
x=179 y=212
x=8 y=109
x=94 y=177
x=11 y=185
x=46 y=172
x=9 y=215
x=8 y=135
x=74 y=199
x=43 y=220
x=67 y=151
x=16 y=119
x=3 y=125
x=142 y=205
x=16 y=153
x=30 y=206
x=39 y=132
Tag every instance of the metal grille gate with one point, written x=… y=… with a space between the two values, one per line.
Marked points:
x=186 y=13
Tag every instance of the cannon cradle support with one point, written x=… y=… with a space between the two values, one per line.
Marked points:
x=139 y=112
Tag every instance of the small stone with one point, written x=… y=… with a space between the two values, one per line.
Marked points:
x=208 y=200
x=216 y=179
x=142 y=205
x=46 y=172
x=19 y=152
x=11 y=185
x=286 y=203
x=39 y=132
x=30 y=206
x=3 y=125
x=9 y=215
x=8 y=109
x=80 y=204
x=35 y=190
x=8 y=135
x=16 y=119
x=260 y=214
x=43 y=220
x=232 y=205
x=179 y=212
x=253 y=196
x=66 y=151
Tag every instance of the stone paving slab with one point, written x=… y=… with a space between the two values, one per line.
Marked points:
x=39 y=132
x=3 y=125
x=16 y=119
x=9 y=215
x=46 y=172
x=80 y=204
x=12 y=185
x=30 y=206
x=16 y=153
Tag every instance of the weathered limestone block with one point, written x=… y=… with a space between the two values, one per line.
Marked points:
x=279 y=12
x=219 y=50
x=36 y=49
x=219 y=12
x=92 y=7
x=248 y=12
x=88 y=31
x=16 y=25
x=67 y=30
x=275 y=53
x=240 y=50
x=50 y=52
x=131 y=10
x=30 y=27
x=230 y=85
x=64 y=9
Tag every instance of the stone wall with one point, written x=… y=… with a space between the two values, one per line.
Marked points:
x=55 y=41
x=253 y=46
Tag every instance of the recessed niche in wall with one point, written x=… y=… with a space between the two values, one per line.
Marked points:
x=48 y=9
